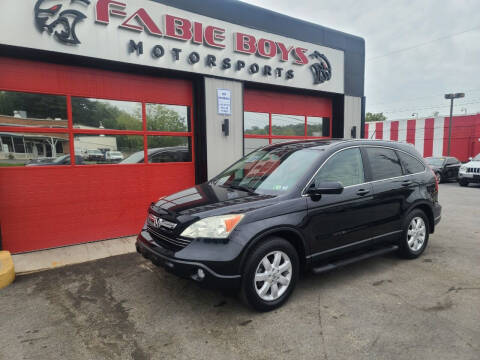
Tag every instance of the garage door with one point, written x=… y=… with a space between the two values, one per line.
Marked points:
x=83 y=152
x=272 y=117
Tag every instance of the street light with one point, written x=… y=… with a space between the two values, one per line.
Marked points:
x=451 y=97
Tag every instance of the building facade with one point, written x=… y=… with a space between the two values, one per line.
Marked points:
x=142 y=98
x=430 y=135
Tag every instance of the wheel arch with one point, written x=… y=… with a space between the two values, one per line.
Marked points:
x=427 y=209
x=292 y=235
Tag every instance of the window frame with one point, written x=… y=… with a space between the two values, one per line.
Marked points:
x=71 y=131
x=270 y=136
x=404 y=170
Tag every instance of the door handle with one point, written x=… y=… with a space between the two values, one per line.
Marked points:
x=362 y=192
x=407 y=183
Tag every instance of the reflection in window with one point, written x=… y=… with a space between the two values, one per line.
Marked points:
x=256 y=123
x=251 y=144
x=162 y=149
x=318 y=126
x=19 y=149
x=385 y=163
x=106 y=114
x=173 y=118
x=25 y=109
x=107 y=149
x=288 y=125
x=345 y=167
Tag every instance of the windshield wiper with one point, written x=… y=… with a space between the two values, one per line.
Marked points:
x=242 y=188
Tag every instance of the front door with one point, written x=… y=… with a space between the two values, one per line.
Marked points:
x=337 y=221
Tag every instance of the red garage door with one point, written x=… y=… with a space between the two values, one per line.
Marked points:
x=83 y=151
x=272 y=117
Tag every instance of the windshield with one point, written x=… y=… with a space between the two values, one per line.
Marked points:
x=269 y=171
x=60 y=159
x=435 y=161
x=134 y=158
x=476 y=158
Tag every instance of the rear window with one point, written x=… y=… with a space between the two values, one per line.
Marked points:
x=384 y=163
x=410 y=164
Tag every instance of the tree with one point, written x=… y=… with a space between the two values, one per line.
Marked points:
x=369 y=117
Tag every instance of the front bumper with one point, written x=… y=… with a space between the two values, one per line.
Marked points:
x=470 y=177
x=184 y=268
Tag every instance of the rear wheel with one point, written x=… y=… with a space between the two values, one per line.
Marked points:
x=415 y=235
x=270 y=274
x=463 y=182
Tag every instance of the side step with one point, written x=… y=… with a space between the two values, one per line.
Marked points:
x=348 y=261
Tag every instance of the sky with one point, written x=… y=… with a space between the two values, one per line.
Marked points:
x=442 y=38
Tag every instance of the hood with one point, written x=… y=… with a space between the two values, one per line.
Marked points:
x=473 y=164
x=208 y=200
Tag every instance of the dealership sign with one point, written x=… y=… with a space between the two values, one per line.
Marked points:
x=152 y=34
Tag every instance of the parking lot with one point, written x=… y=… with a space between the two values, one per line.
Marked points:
x=383 y=308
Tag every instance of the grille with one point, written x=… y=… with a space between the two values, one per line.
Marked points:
x=473 y=170
x=168 y=242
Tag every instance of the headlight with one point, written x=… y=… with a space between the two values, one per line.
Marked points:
x=463 y=168
x=215 y=227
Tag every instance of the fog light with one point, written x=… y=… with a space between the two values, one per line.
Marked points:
x=201 y=274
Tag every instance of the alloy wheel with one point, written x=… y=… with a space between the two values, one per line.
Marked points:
x=416 y=234
x=273 y=276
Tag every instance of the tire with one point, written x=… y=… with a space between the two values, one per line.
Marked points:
x=463 y=182
x=439 y=177
x=271 y=250
x=412 y=245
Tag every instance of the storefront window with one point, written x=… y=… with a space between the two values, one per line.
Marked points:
x=106 y=114
x=288 y=125
x=253 y=144
x=164 y=149
x=171 y=118
x=34 y=149
x=256 y=123
x=317 y=126
x=106 y=149
x=26 y=109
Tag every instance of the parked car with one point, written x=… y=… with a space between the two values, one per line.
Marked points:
x=94 y=155
x=470 y=172
x=161 y=155
x=113 y=156
x=319 y=205
x=445 y=168
x=61 y=160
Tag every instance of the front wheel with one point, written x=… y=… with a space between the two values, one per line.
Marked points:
x=415 y=235
x=463 y=182
x=270 y=274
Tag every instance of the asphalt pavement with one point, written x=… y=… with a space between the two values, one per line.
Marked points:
x=123 y=307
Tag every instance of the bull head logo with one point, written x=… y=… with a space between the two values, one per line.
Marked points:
x=322 y=70
x=61 y=24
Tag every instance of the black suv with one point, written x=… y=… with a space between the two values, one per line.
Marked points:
x=291 y=207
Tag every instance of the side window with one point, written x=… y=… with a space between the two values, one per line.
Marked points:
x=345 y=167
x=452 y=161
x=384 y=163
x=410 y=164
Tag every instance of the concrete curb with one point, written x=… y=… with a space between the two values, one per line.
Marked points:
x=42 y=260
x=7 y=270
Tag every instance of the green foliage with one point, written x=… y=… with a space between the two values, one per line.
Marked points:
x=161 y=118
x=37 y=106
x=369 y=117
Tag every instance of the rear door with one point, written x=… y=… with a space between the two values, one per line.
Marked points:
x=336 y=221
x=390 y=190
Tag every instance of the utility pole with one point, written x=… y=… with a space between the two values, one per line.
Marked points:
x=451 y=97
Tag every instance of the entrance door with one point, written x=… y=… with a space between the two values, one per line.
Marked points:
x=110 y=144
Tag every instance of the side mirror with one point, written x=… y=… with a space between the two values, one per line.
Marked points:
x=325 y=188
